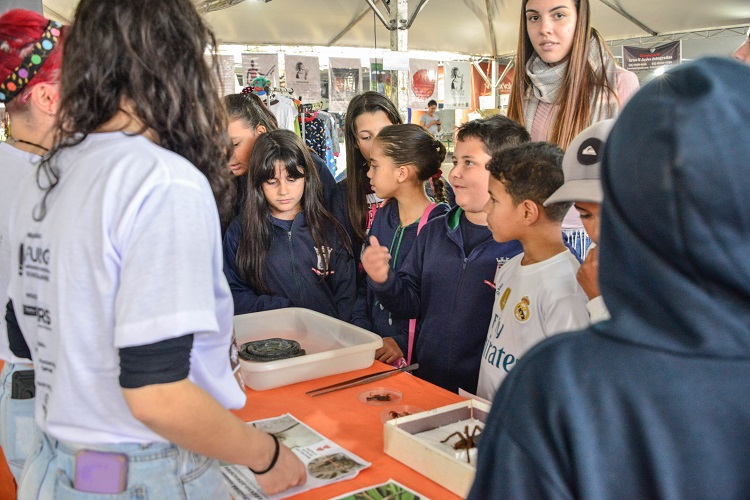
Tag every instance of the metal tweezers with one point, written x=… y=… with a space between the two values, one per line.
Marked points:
x=365 y=379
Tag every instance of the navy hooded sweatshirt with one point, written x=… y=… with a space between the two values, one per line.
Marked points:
x=654 y=403
x=292 y=272
x=368 y=312
x=451 y=294
x=340 y=211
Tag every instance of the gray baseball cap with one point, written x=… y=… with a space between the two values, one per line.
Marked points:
x=582 y=166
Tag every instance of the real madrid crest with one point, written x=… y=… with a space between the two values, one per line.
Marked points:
x=522 y=311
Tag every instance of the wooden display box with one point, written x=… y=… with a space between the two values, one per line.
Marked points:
x=400 y=442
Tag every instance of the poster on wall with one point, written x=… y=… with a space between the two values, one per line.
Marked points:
x=228 y=78
x=260 y=65
x=345 y=82
x=641 y=58
x=422 y=82
x=380 y=79
x=303 y=75
x=457 y=85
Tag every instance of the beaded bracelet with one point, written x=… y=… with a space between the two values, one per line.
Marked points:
x=273 y=460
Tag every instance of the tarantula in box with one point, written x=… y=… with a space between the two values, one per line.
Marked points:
x=466 y=441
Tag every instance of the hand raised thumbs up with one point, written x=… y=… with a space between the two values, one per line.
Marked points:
x=375 y=260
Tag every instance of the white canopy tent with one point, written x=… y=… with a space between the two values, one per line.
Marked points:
x=477 y=27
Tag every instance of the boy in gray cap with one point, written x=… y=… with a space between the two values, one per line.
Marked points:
x=655 y=402
x=581 y=167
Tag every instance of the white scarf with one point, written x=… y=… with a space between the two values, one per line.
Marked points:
x=546 y=82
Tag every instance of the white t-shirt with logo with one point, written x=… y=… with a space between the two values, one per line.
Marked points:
x=532 y=302
x=128 y=254
x=15 y=166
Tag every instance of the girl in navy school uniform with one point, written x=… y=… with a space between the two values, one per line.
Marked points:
x=285 y=249
x=402 y=159
x=446 y=281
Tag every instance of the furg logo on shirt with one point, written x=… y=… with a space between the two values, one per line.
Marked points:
x=34 y=258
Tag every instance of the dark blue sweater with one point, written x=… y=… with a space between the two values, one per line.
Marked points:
x=369 y=313
x=451 y=294
x=290 y=272
x=340 y=211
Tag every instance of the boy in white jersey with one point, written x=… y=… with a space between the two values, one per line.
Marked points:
x=536 y=292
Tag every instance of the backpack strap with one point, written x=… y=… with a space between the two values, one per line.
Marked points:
x=413 y=321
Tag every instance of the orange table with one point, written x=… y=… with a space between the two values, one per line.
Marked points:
x=7 y=483
x=342 y=418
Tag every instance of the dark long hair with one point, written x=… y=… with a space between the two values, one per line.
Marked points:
x=150 y=55
x=410 y=144
x=581 y=87
x=357 y=183
x=286 y=147
x=252 y=112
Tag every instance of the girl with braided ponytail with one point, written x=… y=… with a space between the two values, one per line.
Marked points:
x=446 y=281
x=402 y=159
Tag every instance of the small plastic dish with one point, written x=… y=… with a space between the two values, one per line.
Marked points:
x=380 y=396
x=398 y=411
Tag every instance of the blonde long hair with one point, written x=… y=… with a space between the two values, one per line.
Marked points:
x=581 y=86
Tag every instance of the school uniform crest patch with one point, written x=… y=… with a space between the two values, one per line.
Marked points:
x=522 y=312
x=322 y=268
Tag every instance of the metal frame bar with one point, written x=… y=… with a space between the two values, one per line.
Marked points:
x=382 y=18
x=630 y=18
x=419 y=8
x=680 y=35
x=505 y=72
x=351 y=25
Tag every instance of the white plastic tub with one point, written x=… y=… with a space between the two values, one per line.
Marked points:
x=332 y=346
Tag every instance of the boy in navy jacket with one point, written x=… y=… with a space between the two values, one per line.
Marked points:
x=446 y=280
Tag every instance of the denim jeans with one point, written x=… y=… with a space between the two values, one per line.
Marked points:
x=155 y=471
x=16 y=421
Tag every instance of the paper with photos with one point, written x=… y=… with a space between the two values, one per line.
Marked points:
x=325 y=461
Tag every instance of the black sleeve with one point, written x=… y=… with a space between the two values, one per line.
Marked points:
x=160 y=363
x=18 y=345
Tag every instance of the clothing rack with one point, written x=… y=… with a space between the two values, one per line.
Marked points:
x=309 y=107
x=276 y=90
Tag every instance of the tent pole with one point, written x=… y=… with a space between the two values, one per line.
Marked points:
x=399 y=42
x=493 y=90
x=493 y=39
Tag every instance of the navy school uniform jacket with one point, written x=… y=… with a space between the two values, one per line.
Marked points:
x=292 y=272
x=340 y=211
x=451 y=294
x=368 y=312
